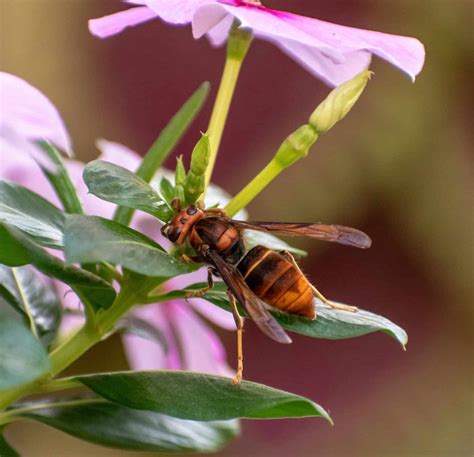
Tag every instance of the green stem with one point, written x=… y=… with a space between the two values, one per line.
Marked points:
x=57 y=385
x=253 y=188
x=237 y=46
x=293 y=148
x=86 y=337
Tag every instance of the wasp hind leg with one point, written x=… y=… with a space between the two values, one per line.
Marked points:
x=316 y=292
x=200 y=292
x=239 y=322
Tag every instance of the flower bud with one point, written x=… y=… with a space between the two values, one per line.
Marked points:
x=339 y=102
x=180 y=178
x=295 y=146
x=194 y=185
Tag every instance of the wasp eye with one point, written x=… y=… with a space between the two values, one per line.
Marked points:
x=192 y=210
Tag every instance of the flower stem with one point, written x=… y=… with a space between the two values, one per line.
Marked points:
x=87 y=336
x=293 y=148
x=237 y=46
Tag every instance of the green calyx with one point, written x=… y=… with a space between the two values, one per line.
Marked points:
x=295 y=146
x=194 y=184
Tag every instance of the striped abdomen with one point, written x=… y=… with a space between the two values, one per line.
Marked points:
x=274 y=278
x=220 y=235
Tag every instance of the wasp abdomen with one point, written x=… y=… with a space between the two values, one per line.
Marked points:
x=277 y=281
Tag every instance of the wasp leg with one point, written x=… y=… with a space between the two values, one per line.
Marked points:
x=316 y=292
x=239 y=322
x=203 y=291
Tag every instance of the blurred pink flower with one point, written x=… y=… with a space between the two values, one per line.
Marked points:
x=191 y=343
x=334 y=53
x=26 y=116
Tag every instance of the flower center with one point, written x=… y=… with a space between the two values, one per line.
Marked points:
x=253 y=2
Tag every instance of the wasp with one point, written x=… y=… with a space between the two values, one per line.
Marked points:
x=261 y=278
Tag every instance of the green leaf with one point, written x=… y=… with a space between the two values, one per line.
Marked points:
x=330 y=323
x=60 y=180
x=31 y=213
x=5 y=449
x=34 y=298
x=118 y=185
x=167 y=190
x=112 y=425
x=166 y=142
x=254 y=238
x=94 y=239
x=200 y=396
x=92 y=290
x=22 y=357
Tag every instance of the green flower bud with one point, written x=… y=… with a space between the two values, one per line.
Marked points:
x=295 y=146
x=180 y=178
x=339 y=102
x=194 y=185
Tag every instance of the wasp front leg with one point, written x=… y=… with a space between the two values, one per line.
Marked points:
x=239 y=323
x=200 y=292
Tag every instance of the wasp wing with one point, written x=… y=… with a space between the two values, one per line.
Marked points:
x=334 y=233
x=254 y=306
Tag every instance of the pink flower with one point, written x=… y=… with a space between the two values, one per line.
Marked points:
x=27 y=116
x=334 y=53
x=191 y=343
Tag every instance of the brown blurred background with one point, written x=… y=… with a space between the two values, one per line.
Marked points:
x=399 y=167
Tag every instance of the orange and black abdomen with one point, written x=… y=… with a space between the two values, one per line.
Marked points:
x=274 y=279
x=221 y=236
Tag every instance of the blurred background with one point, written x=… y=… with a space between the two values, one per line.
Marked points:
x=398 y=167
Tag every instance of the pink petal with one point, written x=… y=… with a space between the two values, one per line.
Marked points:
x=118 y=154
x=175 y=11
x=144 y=354
x=202 y=350
x=112 y=24
x=29 y=113
x=333 y=52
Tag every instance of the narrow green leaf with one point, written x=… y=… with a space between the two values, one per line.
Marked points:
x=35 y=298
x=330 y=323
x=22 y=357
x=201 y=397
x=92 y=290
x=5 y=449
x=31 y=213
x=118 y=185
x=60 y=180
x=166 y=142
x=112 y=425
x=94 y=239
